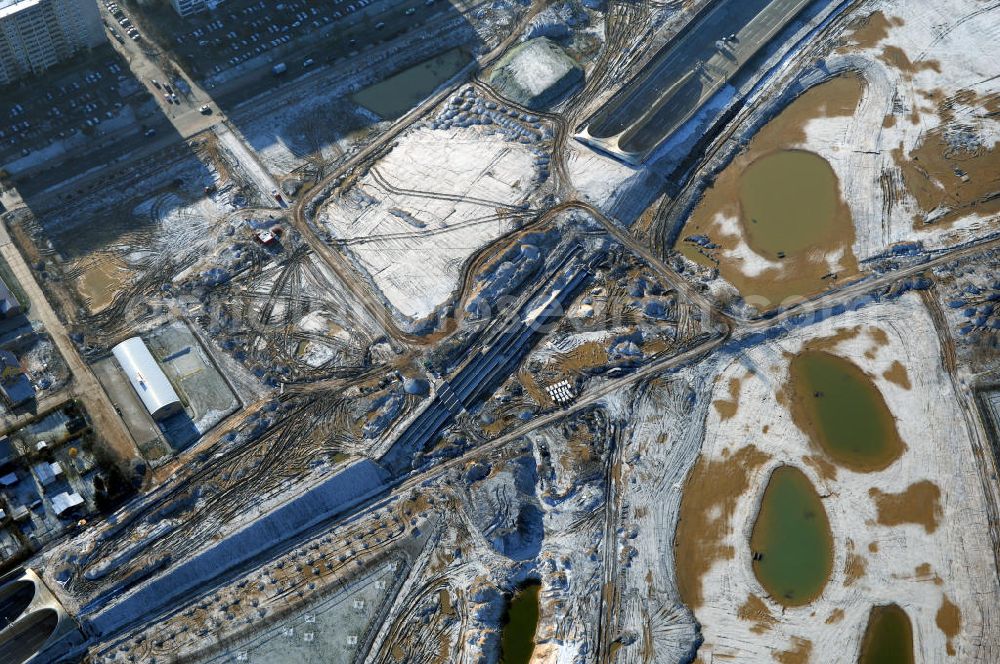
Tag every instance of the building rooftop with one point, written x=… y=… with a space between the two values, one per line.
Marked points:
x=7 y=451
x=9 y=305
x=14 y=385
x=8 y=7
x=47 y=472
x=146 y=376
x=64 y=502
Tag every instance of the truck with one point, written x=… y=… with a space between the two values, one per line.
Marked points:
x=279 y=69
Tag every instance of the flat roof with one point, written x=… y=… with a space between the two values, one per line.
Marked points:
x=66 y=501
x=10 y=7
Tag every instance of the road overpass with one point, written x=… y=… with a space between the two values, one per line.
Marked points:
x=34 y=627
x=488 y=366
x=685 y=74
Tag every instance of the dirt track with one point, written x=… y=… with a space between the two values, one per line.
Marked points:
x=84 y=386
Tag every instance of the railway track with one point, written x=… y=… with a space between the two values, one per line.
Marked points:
x=404 y=629
x=281 y=455
x=610 y=591
x=623 y=23
x=226 y=488
x=282 y=458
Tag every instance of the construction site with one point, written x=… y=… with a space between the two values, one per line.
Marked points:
x=620 y=332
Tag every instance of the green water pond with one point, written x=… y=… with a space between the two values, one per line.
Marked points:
x=517 y=640
x=844 y=413
x=791 y=542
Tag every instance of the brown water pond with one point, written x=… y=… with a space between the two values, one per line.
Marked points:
x=787 y=205
x=788 y=202
x=888 y=637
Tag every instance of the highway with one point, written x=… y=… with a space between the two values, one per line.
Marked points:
x=504 y=348
x=686 y=73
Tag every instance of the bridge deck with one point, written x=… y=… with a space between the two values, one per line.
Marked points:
x=685 y=74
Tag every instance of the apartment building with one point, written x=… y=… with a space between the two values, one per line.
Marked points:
x=36 y=34
x=188 y=7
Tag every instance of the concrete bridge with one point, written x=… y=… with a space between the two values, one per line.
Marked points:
x=684 y=75
x=34 y=627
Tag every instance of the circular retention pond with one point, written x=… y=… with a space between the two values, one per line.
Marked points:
x=788 y=202
x=839 y=407
x=791 y=543
x=517 y=641
x=888 y=637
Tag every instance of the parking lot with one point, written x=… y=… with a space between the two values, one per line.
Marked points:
x=210 y=43
x=125 y=27
x=93 y=95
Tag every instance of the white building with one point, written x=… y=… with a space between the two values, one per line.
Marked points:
x=64 y=502
x=36 y=34
x=147 y=378
x=47 y=473
x=188 y=7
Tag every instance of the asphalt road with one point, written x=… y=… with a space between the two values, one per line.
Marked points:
x=597 y=392
x=658 y=100
x=695 y=44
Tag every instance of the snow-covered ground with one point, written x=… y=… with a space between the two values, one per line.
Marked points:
x=920 y=569
x=417 y=215
x=915 y=158
x=247 y=159
x=617 y=189
x=568 y=563
x=915 y=57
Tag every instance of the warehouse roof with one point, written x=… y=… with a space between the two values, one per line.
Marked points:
x=146 y=376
